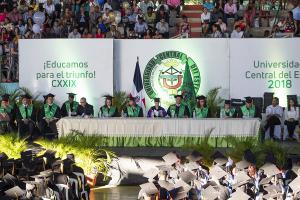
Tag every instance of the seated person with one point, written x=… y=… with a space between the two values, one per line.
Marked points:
x=249 y=110
x=201 y=109
x=178 y=110
x=227 y=111
x=108 y=110
x=26 y=116
x=49 y=115
x=69 y=108
x=156 y=110
x=274 y=114
x=133 y=110
x=85 y=109
x=291 y=119
x=163 y=28
x=6 y=115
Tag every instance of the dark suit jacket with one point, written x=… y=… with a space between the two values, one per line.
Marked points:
x=87 y=110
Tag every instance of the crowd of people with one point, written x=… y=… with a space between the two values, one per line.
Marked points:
x=29 y=120
x=42 y=177
x=189 y=178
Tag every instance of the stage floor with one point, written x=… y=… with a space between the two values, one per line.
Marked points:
x=115 y=193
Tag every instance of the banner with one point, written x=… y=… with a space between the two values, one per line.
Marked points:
x=264 y=65
x=84 y=67
x=162 y=63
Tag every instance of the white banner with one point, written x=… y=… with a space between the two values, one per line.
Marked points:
x=264 y=65
x=58 y=66
x=162 y=63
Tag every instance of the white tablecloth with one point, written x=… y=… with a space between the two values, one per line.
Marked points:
x=159 y=127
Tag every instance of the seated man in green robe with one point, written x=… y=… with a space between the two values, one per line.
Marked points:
x=69 y=108
x=178 y=110
x=249 y=110
x=6 y=115
x=26 y=117
x=108 y=110
x=133 y=110
x=201 y=109
x=49 y=115
x=227 y=111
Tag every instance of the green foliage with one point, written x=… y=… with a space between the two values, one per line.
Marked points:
x=12 y=145
x=205 y=148
x=88 y=153
x=239 y=145
x=213 y=100
x=120 y=100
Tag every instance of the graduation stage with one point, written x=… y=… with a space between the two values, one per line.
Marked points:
x=121 y=132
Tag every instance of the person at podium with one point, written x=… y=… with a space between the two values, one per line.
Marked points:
x=133 y=110
x=108 y=110
x=69 y=108
x=156 y=110
x=227 y=111
x=201 y=109
x=49 y=115
x=84 y=109
x=178 y=110
x=26 y=116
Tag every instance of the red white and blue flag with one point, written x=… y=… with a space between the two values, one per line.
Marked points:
x=137 y=90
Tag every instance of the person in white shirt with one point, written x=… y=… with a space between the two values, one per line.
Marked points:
x=163 y=28
x=291 y=117
x=74 y=34
x=274 y=114
x=205 y=20
x=49 y=7
x=237 y=32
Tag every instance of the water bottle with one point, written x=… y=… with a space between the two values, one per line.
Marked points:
x=194 y=115
x=122 y=113
x=152 y=114
x=69 y=113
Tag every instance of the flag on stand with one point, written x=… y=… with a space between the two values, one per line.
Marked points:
x=188 y=89
x=137 y=90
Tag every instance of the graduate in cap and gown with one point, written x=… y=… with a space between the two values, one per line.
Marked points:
x=178 y=110
x=69 y=108
x=132 y=109
x=249 y=110
x=6 y=115
x=201 y=109
x=156 y=110
x=85 y=109
x=227 y=111
x=49 y=115
x=26 y=116
x=108 y=110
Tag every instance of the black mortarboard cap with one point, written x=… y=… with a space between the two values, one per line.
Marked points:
x=295 y=185
x=270 y=158
x=249 y=156
x=109 y=97
x=195 y=156
x=131 y=98
x=156 y=99
x=71 y=156
x=187 y=176
x=5 y=97
x=170 y=158
x=3 y=156
x=167 y=185
x=218 y=154
x=49 y=95
x=149 y=188
x=248 y=99
x=201 y=97
x=178 y=95
x=72 y=95
x=26 y=96
x=227 y=102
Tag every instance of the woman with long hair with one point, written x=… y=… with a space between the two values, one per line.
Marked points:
x=291 y=117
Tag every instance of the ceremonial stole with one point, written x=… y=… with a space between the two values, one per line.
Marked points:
x=133 y=112
x=105 y=112
x=201 y=112
x=23 y=111
x=248 y=112
x=74 y=107
x=49 y=113
x=180 y=113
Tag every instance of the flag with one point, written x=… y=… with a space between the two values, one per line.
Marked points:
x=138 y=89
x=188 y=90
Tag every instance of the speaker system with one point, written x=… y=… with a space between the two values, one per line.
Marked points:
x=268 y=97
x=258 y=102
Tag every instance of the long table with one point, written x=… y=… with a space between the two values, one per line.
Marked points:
x=145 y=127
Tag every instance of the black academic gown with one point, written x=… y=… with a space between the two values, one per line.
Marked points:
x=29 y=127
x=44 y=126
x=87 y=110
x=64 y=112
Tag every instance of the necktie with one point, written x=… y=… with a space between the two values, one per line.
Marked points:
x=26 y=112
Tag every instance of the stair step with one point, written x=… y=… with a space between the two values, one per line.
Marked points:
x=192 y=7
x=191 y=11
x=194 y=20
x=195 y=24
x=195 y=35
x=195 y=29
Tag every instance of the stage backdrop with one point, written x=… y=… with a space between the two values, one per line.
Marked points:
x=264 y=65
x=162 y=64
x=84 y=67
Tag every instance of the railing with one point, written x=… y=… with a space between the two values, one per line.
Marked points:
x=9 y=71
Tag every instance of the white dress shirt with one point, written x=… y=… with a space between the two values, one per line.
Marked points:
x=291 y=114
x=275 y=110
